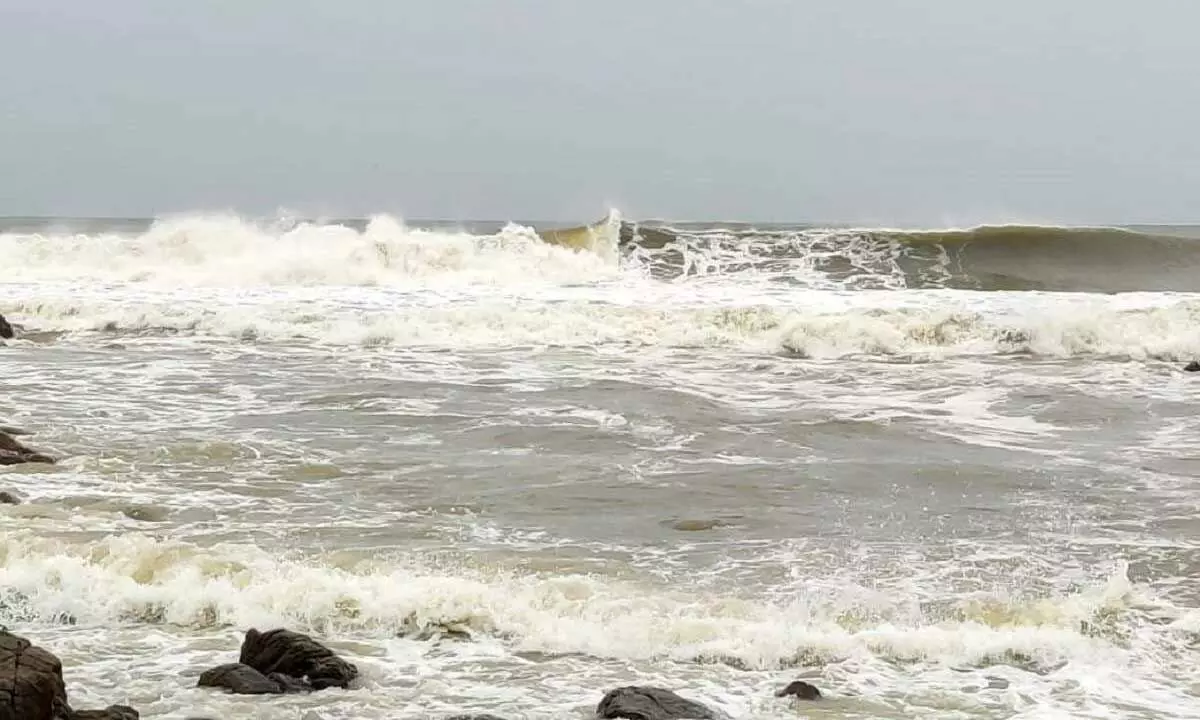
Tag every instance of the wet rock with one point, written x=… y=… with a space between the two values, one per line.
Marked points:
x=800 y=689
x=112 y=712
x=651 y=703
x=8 y=498
x=296 y=655
x=6 y=329
x=1193 y=366
x=290 y=684
x=14 y=453
x=240 y=680
x=484 y=716
x=31 y=686
x=31 y=682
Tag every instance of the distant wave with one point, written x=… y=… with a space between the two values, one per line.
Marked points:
x=989 y=257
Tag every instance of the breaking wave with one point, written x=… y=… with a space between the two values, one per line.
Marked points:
x=224 y=251
x=137 y=578
x=812 y=326
x=809 y=292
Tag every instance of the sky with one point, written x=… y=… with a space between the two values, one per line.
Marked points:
x=926 y=112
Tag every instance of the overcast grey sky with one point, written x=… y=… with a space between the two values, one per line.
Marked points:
x=885 y=111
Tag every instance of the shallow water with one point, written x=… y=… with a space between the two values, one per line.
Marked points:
x=504 y=477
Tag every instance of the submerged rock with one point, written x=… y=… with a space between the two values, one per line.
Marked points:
x=9 y=498
x=800 y=689
x=1193 y=366
x=240 y=679
x=651 y=703
x=13 y=452
x=32 y=688
x=6 y=329
x=112 y=712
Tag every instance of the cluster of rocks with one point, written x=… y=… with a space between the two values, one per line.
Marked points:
x=282 y=661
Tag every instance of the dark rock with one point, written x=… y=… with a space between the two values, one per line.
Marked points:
x=112 y=712
x=290 y=684
x=6 y=329
x=31 y=682
x=800 y=689
x=484 y=716
x=8 y=498
x=296 y=655
x=240 y=679
x=14 y=453
x=1193 y=366
x=651 y=703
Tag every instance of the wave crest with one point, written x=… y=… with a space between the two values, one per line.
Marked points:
x=229 y=251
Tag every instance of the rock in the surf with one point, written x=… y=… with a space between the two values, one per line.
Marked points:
x=6 y=329
x=240 y=679
x=112 y=712
x=32 y=688
x=1193 y=366
x=13 y=452
x=800 y=689
x=651 y=703
x=9 y=498
x=484 y=716
x=296 y=655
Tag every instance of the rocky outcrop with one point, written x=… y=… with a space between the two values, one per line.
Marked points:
x=280 y=661
x=32 y=688
x=651 y=703
x=800 y=689
x=9 y=498
x=13 y=452
x=1193 y=366
x=31 y=682
x=6 y=329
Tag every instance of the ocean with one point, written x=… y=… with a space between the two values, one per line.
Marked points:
x=938 y=473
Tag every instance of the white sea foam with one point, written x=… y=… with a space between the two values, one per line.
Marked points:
x=807 y=324
x=136 y=577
